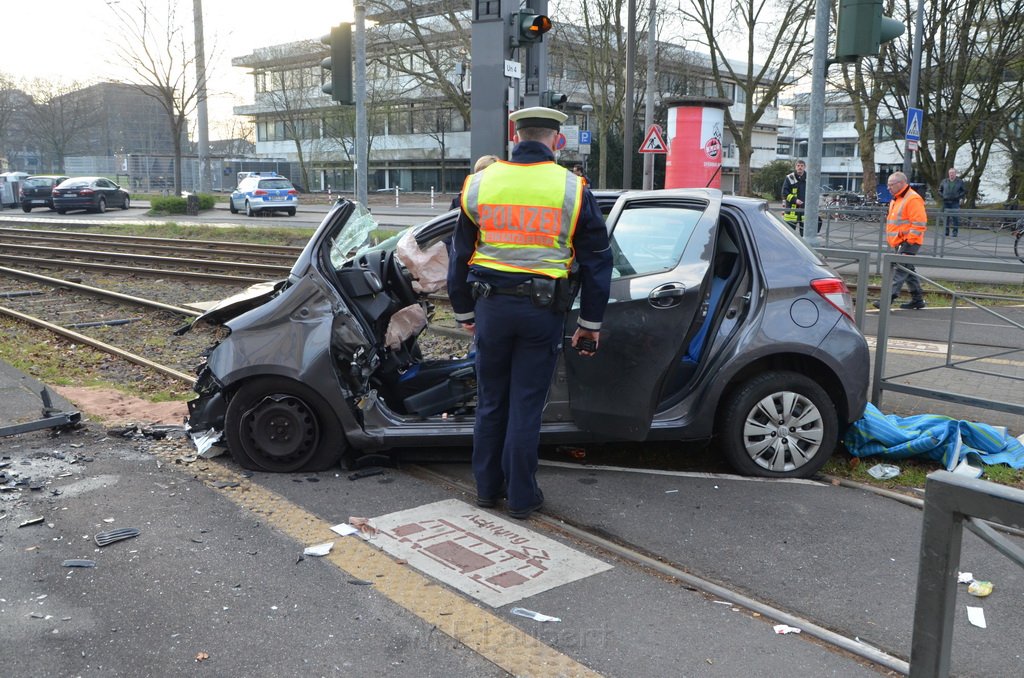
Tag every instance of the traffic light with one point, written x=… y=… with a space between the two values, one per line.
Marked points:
x=552 y=99
x=528 y=27
x=339 y=63
x=862 y=29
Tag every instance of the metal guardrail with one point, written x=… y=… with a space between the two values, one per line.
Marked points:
x=951 y=503
x=882 y=382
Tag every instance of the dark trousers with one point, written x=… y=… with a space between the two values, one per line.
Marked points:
x=907 y=275
x=952 y=220
x=517 y=346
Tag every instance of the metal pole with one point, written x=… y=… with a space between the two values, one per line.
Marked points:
x=915 y=73
x=815 y=132
x=652 y=45
x=362 y=159
x=203 y=122
x=627 y=113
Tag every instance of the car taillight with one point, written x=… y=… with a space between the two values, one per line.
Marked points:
x=86 y=191
x=259 y=191
x=835 y=292
x=293 y=192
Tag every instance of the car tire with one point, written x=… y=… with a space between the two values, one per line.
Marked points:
x=101 y=205
x=249 y=211
x=779 y=425
x=127 y=203
x=278 y=425
x=26 y=208
x=291 y=212
x=231 y=206
x=60 y=211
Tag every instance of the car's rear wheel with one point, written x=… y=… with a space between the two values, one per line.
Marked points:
x=779 y=425
x=26 y=208
x=127 y=203
x=60 y=211
x=249 y=212
x=279 y=425
x=101 y=205
x=291 y=212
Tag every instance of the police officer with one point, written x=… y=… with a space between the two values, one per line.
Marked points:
x=794 y=192
x=524 y=223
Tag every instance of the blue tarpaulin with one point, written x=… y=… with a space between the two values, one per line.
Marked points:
x=942 y=439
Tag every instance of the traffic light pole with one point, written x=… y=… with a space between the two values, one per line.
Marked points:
x=362 y=152
x=816 y=131
x=487 y=100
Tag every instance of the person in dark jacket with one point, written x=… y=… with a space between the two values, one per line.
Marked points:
x=794 y=193
x=952 y=192
x=525 y=226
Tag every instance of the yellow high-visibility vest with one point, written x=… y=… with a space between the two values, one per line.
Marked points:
x=526 y=216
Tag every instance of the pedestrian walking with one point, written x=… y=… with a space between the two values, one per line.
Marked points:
x=528 y=230
x=952 y=192
x=905 y=227
x=794 y=193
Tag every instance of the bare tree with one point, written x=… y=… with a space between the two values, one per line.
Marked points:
x=9 y=99
x=427 y=43
x=59 y=116
x=161 y=56
x=970 y=68
x=775 y=38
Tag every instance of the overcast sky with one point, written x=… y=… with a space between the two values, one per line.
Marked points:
x=71 y=40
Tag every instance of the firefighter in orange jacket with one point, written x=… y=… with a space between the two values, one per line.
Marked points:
x=525 y=226
x=905 y=226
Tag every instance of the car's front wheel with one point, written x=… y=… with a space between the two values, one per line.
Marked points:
x=26 y=208
x=101 y=205
x=779 y=425
x=127 y=203
x=249 y=212
x=279 y=425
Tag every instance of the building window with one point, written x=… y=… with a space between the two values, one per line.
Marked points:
x=838 y=149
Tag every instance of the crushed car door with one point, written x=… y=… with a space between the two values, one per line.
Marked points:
x=662 y=246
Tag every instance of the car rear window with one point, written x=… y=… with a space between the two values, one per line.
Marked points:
x=39 y=182
x=275 y=183
x=75 y=183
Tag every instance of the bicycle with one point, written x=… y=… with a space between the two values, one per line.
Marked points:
x=1017 y=229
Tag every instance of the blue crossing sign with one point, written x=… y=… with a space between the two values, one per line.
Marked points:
x=915 y=119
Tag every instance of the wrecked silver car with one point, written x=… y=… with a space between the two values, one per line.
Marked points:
x=721 y=322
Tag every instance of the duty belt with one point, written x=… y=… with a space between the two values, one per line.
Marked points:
x=481 y=289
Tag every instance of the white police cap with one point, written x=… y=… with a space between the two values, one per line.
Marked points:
x=538 y=116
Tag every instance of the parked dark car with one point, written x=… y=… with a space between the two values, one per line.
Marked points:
x=37 y=191
x=93 y=194
x=721 y=323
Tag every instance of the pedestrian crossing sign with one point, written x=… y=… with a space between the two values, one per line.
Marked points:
x=653 y=142
x=915 y=119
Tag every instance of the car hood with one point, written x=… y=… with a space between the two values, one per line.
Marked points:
x=237 y=304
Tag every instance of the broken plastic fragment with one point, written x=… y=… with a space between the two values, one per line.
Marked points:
x=319 y=549
x=104 y=538
x=964 y=577
x=980 y=589
x=536 y=616
x=344 y=529
x=783 y=629
x=976 y=615
x=884 y=471
x=206 y=443
x=32 y=521
x=79 y=563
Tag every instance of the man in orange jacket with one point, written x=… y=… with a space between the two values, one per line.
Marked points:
x=905 y=227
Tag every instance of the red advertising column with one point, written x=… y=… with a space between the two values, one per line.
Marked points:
x=695 y=128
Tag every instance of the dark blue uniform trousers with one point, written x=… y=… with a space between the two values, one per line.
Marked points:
x=517 y=347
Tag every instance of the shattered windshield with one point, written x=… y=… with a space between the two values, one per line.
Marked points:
x=353 y=237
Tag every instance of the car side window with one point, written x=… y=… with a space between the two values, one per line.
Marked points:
x=649 y=240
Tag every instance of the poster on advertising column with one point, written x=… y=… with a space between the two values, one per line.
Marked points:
x=695 y=129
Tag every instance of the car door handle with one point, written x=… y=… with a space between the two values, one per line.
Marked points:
x=667 y=295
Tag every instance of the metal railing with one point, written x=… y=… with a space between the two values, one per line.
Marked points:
x=882 y=382
x=951 y=503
